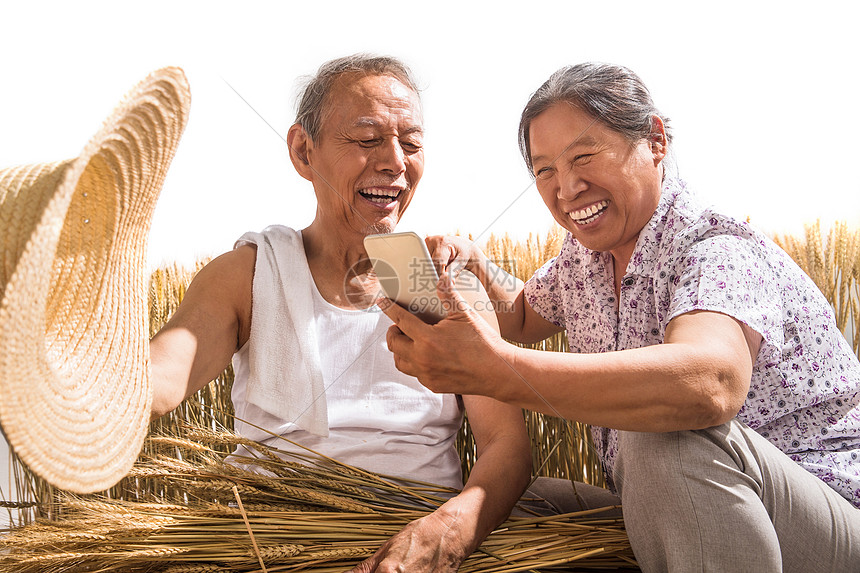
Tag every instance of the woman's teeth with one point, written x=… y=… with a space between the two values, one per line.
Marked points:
x=589 y=214
x=381 y=196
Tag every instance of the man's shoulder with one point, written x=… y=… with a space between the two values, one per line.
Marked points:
x=234 y=265
x=272 y=234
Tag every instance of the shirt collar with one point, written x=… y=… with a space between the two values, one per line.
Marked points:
x=645 y=253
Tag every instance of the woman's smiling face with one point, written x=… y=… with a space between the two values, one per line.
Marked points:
x=595 y=182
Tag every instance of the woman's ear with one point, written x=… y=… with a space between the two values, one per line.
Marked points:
x=657 y=138
x=299 y=144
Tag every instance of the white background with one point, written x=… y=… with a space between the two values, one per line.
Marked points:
x=763 y=97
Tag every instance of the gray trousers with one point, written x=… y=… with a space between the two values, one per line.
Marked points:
x=720 y=500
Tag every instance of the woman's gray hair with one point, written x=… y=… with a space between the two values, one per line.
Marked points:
x=313 y=97
x=613 y=95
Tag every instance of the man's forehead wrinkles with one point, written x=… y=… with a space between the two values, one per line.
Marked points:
x=366 y=122
x=374 y=122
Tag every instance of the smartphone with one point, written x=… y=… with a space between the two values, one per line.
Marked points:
x=406 y=273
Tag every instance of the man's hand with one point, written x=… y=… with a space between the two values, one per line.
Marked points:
x=461 y=354
x=431 y=544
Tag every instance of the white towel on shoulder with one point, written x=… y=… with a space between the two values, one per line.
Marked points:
x=285 y=373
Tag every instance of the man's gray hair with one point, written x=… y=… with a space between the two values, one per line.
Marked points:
x=613 y=95
x=314 y=96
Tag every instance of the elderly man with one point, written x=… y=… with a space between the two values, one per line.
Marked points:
x=296 y=313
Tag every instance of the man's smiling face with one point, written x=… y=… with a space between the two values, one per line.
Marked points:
x=368 y=156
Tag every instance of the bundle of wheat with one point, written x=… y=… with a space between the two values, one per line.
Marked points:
x=264 y=509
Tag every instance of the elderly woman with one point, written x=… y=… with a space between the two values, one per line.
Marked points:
x=725 y=404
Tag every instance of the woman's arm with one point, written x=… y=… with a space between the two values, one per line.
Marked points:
x=697 y=378
x=211 y=323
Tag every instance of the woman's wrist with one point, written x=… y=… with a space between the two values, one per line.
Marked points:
x=509 y=379
x=476 y=263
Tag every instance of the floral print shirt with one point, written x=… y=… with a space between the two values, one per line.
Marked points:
x=805 y=391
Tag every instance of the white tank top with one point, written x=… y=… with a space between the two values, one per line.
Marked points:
x=379 y=418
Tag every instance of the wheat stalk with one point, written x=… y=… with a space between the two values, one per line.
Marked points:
x=98 y=533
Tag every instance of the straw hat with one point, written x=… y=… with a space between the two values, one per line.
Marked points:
x=75 y=391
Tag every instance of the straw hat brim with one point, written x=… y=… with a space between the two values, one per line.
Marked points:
x=75 y=389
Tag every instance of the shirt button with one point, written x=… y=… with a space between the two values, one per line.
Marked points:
x=629 y=281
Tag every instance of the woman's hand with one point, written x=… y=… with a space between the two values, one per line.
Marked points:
x=453 y=254
x=516 y=320
x=462 y=354
x=432 y=544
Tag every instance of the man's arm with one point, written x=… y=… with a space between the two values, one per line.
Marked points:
x=442 y=540
x=211 y=323
x=501 y=472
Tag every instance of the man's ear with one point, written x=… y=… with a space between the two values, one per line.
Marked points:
x=299 y=144
x=657 y=139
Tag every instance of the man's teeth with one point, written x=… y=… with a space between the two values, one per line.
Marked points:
x=589 y=214
x=380 y=195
